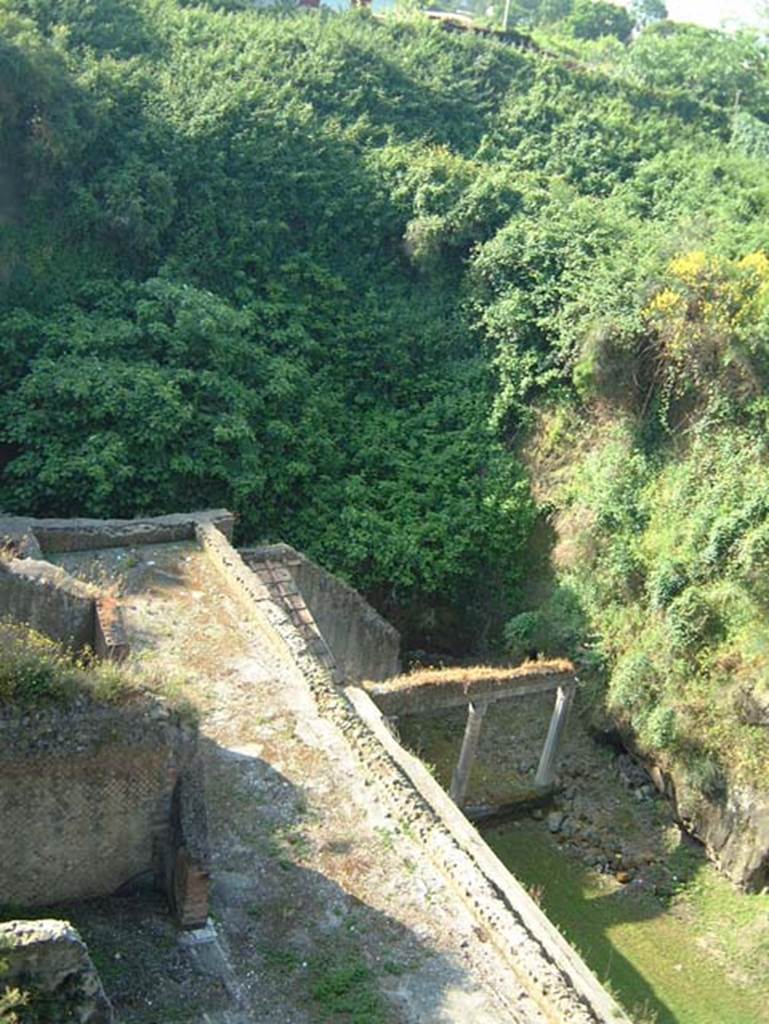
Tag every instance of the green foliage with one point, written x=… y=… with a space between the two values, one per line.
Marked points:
x=646 y=12
x=217 y=304
x=667 y=582
x=750 y=135
x=592 y=19
x=555 y=629
x=347 y=993
x=323 y=270
x=28 y=1006
x=712 y=66
x=35 y=671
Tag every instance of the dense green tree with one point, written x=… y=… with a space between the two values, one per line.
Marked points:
x=715 y=67
x=592 y=19
x=351 y=276
x=530 y=13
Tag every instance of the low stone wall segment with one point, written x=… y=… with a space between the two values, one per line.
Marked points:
x=88 y=534
x=110 y=641
x=18 y=541
x=47 y=598
x=562 y=987
x=364 y=645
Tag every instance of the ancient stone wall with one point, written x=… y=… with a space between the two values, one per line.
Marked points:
x=86 y=534
x=363 y=644
x=93 y=797
x=45 y=597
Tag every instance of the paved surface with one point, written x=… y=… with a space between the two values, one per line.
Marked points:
x=324 y=907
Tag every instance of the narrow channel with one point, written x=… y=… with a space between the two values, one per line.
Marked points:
x=673 y=940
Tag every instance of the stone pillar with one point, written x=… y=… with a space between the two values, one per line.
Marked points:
x=546 y=770
x=461 y=776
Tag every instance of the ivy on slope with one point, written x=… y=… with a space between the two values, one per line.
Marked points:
x=328 y=271
x=206 y=298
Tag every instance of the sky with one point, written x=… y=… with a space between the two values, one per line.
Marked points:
x=710 y=13
x=713 y=12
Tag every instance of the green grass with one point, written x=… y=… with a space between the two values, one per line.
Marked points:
x=346 y=991
x=695 y=953
x=699 y=959
x=341 y=987
x=36 y=671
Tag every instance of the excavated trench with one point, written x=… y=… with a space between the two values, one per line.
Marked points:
x=668 y=935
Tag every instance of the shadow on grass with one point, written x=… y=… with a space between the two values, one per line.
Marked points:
x=571 y=896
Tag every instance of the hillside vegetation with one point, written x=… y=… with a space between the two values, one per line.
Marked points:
x=400 y=297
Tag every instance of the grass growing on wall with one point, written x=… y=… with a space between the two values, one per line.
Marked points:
x=37 y=672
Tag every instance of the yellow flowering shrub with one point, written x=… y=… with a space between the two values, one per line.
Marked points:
x=706 y=319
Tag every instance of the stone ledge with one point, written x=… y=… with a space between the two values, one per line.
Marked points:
x=561 y=985
x=56 y=535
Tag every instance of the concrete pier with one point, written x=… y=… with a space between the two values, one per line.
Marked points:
x=546 y=770
x=475 y=714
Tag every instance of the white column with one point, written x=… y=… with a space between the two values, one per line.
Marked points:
x=461 y=776
x=546 y=770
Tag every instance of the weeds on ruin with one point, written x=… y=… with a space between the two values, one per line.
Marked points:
x=37 y=672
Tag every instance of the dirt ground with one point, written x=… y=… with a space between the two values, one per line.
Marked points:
x=324 y=906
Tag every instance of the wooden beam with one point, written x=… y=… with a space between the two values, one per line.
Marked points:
x=401 y=697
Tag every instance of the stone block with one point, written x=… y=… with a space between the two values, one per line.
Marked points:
x=45 y=597
x=87 y=800
x=48 y=956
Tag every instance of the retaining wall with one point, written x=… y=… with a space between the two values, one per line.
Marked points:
x=363 y=644
x=93 y=797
